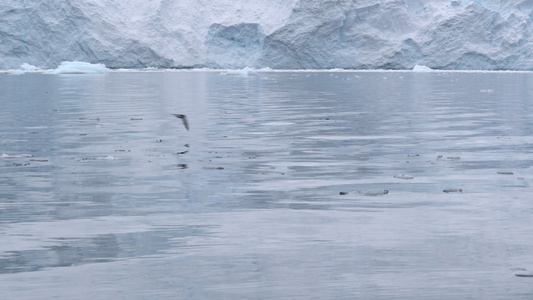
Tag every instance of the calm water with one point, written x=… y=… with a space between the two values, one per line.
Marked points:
x=278 y=191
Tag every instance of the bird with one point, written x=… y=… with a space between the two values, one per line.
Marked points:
x=184 y=119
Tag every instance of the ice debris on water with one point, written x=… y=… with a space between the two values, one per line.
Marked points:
x=421 y=69
x=403 y=176
x=453 y=190
x=239 y=72
x=7 y=156
x=109 y=157
x=21 y=164
x=370 y=192
x=79 y=67
x=28 y=67
x=25 y=67
x=377 y=192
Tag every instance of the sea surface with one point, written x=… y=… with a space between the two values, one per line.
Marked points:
x=288 y=185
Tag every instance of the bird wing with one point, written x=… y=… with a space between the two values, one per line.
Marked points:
x=184 y=119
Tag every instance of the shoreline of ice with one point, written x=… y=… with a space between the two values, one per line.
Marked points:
x=77 y=67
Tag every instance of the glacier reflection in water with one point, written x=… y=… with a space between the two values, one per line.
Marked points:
x=289 y=185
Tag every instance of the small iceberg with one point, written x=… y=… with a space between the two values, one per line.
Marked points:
x=505 y=173
x=85 y=159
x=453 y=190
x=377 y=192
x=240 y=72
x=79 y=67
x=421 y=69
x=404 y=176
x=7 y=156
x=25 y=67
x=109 y=157
x=28 y=67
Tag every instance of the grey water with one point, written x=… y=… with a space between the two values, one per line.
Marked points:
x=289 y=185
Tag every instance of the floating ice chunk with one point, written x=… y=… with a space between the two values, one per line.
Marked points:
x=15 y=72
x=85 y=159
x=78 y=67
x=403 y=176
x=23 y=69
x=241 y=72
x=278 y=123
x=7 y=156
x=453 y=190
x=377 y=192
x=486 y=91
x=109 y=157
x=419 y=68
x=28 y=67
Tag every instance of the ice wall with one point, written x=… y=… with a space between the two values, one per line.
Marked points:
x=397 y=34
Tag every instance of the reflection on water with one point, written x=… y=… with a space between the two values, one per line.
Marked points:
x=307 y=185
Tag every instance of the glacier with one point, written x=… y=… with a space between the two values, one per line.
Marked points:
x=278 y=34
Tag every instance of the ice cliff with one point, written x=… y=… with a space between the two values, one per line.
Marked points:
x=390 y=34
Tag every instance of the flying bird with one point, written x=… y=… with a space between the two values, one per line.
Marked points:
x=184 y=119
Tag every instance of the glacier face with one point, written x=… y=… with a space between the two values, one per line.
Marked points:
x=359 y=34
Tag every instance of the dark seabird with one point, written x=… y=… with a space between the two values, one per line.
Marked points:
x=184 y=119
